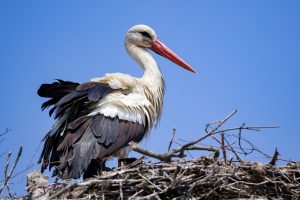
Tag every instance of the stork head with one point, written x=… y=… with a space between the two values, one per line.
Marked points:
x=145 y=37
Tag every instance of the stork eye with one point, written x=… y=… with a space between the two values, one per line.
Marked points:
x=145 y=34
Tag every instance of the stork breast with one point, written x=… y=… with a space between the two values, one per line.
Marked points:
x=131 y=107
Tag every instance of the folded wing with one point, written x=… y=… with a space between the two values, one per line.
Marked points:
x=78 y=137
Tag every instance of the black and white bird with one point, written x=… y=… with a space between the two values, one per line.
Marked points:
x=99 y=119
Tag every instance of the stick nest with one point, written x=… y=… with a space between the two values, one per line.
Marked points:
x=202 y=178
x=177 y=177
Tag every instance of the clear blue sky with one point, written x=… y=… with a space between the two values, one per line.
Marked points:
x=247 y=54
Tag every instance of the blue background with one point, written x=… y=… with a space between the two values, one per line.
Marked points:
x=247 y=55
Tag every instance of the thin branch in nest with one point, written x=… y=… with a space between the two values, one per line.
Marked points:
x=275 y=157
x=136 y=162
x=171 y=141
x=7 y=164
x=62 y=191
x=175 y=153
x=5 y=174
x=174 y=178
x=223 y=147
x=240 y=136
x=136 y=194
x=5 y=132
x=121 y=190
x=161 y=157
x=253 y=147
x=213 y=131
x=150 y=182
x=8 y=176
x=234 y=152
x=208 y=125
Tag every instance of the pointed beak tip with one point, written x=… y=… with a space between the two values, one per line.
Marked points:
x=161 y=49
x=191 y=69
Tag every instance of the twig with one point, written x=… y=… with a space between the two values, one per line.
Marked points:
x=166 y=157
x=12 y=169
x=234 y=152
x=2 y=134
x=211 y=132
x=162 y=157
x=137 y=162
x=121 y=190
x=202 y=148
x=174 y=178
x=5 y=132
x=5 y=172
x=250 y=128
x=150 y=182
x=275 y=157
x=171 y=141
x=7 y=164
x=223 y=147
x=240 y=136
x=135 y=194
x=62 y=191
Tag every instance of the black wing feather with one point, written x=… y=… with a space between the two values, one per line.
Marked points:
x=96 y=92
x=57 y=89
x=99 y=142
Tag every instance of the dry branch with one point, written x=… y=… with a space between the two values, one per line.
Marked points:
x=172 y=139
x=275 y=157
x=5 y=132
x=7 y=176
x=180 y=151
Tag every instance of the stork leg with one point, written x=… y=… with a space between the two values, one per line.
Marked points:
x=125 y=161
x=95 y=168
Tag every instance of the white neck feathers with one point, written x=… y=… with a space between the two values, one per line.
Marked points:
x=152 y=77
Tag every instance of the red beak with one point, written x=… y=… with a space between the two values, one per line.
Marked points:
x=161 y=49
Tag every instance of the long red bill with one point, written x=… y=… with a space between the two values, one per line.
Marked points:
x=161 y=49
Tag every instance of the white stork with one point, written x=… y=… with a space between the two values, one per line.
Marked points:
x=100 y=118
